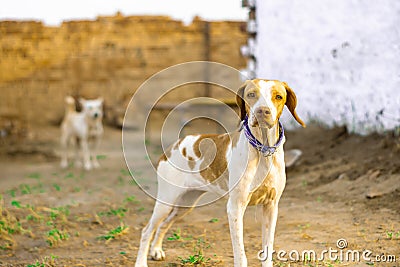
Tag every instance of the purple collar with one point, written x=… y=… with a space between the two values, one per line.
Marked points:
x=265 y=150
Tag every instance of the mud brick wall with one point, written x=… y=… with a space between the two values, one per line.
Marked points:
x=108 y=57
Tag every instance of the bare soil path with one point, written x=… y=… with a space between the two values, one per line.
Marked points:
x=60 y=217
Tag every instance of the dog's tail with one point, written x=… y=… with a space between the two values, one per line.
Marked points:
x=70 y=104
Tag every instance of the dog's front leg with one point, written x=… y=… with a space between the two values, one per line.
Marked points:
x=96 y=143
x=86 y=154
x=236 y=208
x=269 y=218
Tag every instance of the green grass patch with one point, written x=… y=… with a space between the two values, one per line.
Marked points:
x=34 y=175
x=175 y=235
x=57 y=187
x=55 y=236
x=114 y=233
x=120 y=212
x=131 y=199
x=198 y=256
x=100 y=157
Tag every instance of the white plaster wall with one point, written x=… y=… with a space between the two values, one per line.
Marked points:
x=342 y=58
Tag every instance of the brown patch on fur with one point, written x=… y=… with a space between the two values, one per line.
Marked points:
x=240 y=101
x=176 y=145
x=212 y=168
x=163 y=157
x=191 y=163
x=291 y=103
x=278 y=89
x=184 y=152
x=168 y=151
x=263 y=195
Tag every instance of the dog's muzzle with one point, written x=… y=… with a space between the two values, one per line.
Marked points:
x=263 y=117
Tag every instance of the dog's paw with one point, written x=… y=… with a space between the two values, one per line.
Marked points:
x=88 y=166
x=157 y=254
x=96 y=164
x=64 y=164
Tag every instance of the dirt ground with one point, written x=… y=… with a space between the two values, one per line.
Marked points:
x=344 y=186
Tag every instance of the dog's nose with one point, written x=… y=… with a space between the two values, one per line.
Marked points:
x=96 y=115
x=263 y=111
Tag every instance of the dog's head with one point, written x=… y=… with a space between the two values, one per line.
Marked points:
x=263 y=102
x=92 y=108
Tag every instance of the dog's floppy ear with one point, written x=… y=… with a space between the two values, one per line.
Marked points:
x=291 y=103
x=240 y=101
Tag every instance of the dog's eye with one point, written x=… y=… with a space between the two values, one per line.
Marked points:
x=251 y=94
x=278 y=97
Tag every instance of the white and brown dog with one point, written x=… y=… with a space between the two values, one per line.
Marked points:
x=249 y=164
x=81 y=127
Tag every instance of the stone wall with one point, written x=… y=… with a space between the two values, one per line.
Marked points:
x=108 y=57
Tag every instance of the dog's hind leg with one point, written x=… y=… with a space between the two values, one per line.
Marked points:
x=189 y=200
x=64 y=148
x=78 y=155
x=160 y=212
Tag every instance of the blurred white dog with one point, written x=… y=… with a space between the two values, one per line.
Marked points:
x=82 y=127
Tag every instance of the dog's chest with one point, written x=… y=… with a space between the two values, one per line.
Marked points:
x=270 y=185
x=264 y=194
x=95 y=130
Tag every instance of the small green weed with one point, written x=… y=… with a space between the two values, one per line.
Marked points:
x=112 y=234
x=198 y=256
x=12 y=192
x=57 y=187
x=389 y=234
x=54 y=236
x=131 y=199
x=37 y=264
x=303 y=226
x=125 y=172
x=120 y=212
x=175 y=235
x=121 y=180
x=59 y=212
x=392 y=234
x=133 y=182
x=47 y=261
x=100 y=157
x=69 y=175
x=25 y=189
x=34 y=175
x=16 y=204
x=140 y=209
x=213 y=220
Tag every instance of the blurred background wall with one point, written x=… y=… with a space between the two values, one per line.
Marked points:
x=109 y=57
x=342 y=57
